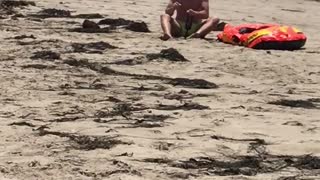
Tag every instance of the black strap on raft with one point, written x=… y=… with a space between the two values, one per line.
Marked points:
x=188 y=25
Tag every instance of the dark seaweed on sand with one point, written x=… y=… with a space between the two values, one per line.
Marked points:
x=242 y=165
x=184 y=82
x=170 y=54
x=91 y=27
x=52 y=13
x=12 y=3
x=115 y=22
x=84 y=142
x=308 y=104
x=136 y=26
x=88 y=16
x=93 y=47
x=46 y=55
x=7 y=6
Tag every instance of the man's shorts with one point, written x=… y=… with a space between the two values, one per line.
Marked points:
x=194 y=28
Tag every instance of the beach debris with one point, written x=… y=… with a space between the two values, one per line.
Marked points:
x=193 y=83
x=293 y=10
x=14 y=3
x=136 y=26
x=46 y=55
x=308 y=104
x=126 y=112
x=186 y=106
x=90 y=27
x=182 y=96
x=22 y=123
x=122 y=168
x=90 y=30
x=97 y=45
x=170 y=54
x=150 y=121
x=96 y=142
x=184 y=82
x=125 y=154
x=255 y=140
x=62 y=13
x=153 y=117
x=164 y=146
x=115 y=22
x=146 y=124
x=157 y=87
x=88 y=16
x=242 y=165
x=52 y=13
x=22 y=37
x=94 y=47
x=38 y=66
x=293 y=123
x=7 y=6
x=307 y=162
x=65 y=119
x=78 y=63
x=121 y=109
x=130 y=61
x=25 y=37
x=85 y=142
x=158 y=160
x=46 y=41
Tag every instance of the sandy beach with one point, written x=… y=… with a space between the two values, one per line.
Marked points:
x=110 y=105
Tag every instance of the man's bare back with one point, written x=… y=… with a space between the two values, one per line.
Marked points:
x=186 y=11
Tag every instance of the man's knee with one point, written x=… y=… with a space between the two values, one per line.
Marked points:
x=213 y=21
x=165 y=16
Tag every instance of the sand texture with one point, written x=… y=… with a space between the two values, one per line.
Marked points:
x=113 y=103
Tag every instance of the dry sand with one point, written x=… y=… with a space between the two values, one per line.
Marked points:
x=91 y=116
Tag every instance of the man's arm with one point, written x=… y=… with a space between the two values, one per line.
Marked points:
x=204 y=13
x=171 y=7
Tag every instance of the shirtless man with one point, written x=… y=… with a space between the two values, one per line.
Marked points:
x=196 y=10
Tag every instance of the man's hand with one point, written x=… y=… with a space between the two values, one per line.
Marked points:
x=191 y=12
x=201 y=14
x=176 y=5
x=172 y=6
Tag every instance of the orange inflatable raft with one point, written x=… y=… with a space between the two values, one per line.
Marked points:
x=264 y=36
